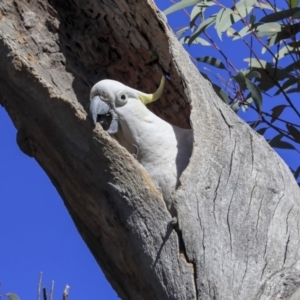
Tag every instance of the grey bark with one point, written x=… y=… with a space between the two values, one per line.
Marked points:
x=238 y=203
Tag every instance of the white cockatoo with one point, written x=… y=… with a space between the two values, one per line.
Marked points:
x=163 y=149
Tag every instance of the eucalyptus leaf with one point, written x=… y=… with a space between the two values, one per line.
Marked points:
x=292 y=67
x=204 y=25
x=293 y=3
x=296 y=15
x=180 y=5
x=262 y=5
x=211 y=61
x=235 y=107
x=198 y=11
x=276 y=139
x=198 y=40
x=262 y=130
x=255 y=63
x=246 y=103
x=246 y=3
x=293 y=90
x=195 y=13
x=221 y=93
x=223 y=21
x=277 y=111
x=297 y=173
x=12 y=296
x=241 y=80
x=286 y=50
x=279 y=15
x=179 y=33
x=252 y=19
x=267 y=71
x=243 y=32
x=241 y=11
x=282 y=145
x=268 y=29
x=253 y=74
x=287 y=85
x=294 y=132
x=272 y=40
x=255 y=93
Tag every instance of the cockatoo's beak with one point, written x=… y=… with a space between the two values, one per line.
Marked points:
x=149 y=98
x=102 y=112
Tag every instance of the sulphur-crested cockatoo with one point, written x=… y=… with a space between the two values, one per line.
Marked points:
x=163 y=149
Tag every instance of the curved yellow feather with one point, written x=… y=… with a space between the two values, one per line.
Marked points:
x=149 y=98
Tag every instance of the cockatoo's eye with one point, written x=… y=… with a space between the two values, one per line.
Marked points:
x=122 y=99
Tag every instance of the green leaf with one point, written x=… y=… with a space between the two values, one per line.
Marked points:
x=276 y=139
x=255 y=93
x=277 y=111
x=272 y=40
x=223 y=21
x=198 y=10
x=205 y=76
x=268 y=29
x=180 y=5
x=198 y=40
x=243 y=9
x=279 y=15
x=294 y=132
x=276 y=142
x=246 y=104
x=266 y=6
x=179 y=33
x=246 y=3
x=231 y=32
x=255 y=63
x=221 y=93
x=253 y=74
x=235 y=107
x=296 y=15
x=287 y=85
x=297 y=173
x=12 y=296
x=252 y=19
x=293 y=3
x=226 y=17
x=285 y=32
x=282 y=145
x=211 y=61
x=262 y=131
x=292 y=67
x=267 y=70
x=241 y=80
x=195 y=13
x=286 y=50
x=295 y=89
x=204 y=25
x=243 y=32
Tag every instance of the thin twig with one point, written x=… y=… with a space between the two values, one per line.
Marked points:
x=40 y=285
x=66 y=292
x=45 y=293
x=51 y=290
x=281 y=120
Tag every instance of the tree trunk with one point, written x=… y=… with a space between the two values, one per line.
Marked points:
x=238 y=203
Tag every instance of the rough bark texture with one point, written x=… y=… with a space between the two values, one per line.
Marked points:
x=238 y=204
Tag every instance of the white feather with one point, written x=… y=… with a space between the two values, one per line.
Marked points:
x=163 y=149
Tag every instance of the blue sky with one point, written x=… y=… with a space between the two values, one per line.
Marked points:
x=36 y=229
x=37 y=232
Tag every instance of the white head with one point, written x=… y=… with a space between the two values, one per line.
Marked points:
x=108 y=95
